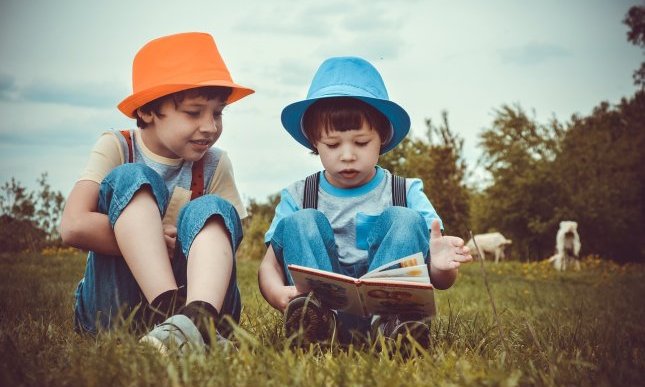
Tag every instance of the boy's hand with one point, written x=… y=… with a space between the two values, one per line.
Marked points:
x=170 y=236
x=447 y=252
x=286 y=294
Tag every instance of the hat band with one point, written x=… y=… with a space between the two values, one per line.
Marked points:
x=184 y=79
x=345 y=90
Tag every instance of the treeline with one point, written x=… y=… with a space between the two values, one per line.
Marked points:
x=29 y=219
x=590 y=170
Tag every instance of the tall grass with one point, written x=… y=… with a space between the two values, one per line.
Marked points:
x=573 y=328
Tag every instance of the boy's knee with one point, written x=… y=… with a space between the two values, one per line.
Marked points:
x=124 y=182
x=402 y=218
x=307 y=222
x=194 y=216
x=399 y=223
x=217 y=223
x=306 y=216
x=134 y=172
x=206 y=206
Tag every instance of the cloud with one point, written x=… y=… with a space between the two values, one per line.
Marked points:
x=532 y=53
x=289 y=19
x=88 y=95
x=373 y=33
x=7 y=87
x=375 y=46
x=374 y=19
x=332 y=28
x=294 y=73
x=62 y=138
x=93 y=95
x=27 y=124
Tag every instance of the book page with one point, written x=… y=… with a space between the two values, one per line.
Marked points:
x=418 y=273
x=411 y=260
x=397 y=298
x=335 y=291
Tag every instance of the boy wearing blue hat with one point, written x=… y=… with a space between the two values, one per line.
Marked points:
x=354 y=216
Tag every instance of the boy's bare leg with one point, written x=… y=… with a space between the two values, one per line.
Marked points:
x=140 y=237
x=210 y=262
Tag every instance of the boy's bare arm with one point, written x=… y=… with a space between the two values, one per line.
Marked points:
x=82 y=226
x=271 y=281
x=442 y=279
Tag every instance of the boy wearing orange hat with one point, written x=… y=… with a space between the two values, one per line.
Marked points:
x=157 y=207
x=354 y=216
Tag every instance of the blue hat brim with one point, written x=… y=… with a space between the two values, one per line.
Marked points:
x=292 y=119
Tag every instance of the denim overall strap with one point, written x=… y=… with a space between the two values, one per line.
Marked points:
x=128 y=139
x=197 y=180
x=312 y=182
x=399 y=196
x=310 y=199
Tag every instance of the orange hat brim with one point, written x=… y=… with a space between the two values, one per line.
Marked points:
x=129 y=105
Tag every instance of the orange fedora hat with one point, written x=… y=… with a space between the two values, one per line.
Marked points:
x=174 y=63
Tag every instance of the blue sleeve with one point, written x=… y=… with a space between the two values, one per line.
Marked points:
x=286 y=207
x=417 y=200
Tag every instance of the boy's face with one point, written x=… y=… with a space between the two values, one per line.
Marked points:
x=349 y=157
x=186 y=131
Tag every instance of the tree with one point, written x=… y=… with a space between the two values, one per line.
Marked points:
x=635 y=20
x=255 y=226
x=438 y=162
x=49 y=209
x=17 y=210
x=519 y=154
x=29 y=220
x=600 y=171
x=591 y=172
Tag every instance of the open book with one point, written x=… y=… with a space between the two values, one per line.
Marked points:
x=402 y=286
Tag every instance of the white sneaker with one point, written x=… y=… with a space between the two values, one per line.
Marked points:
x=177 y=333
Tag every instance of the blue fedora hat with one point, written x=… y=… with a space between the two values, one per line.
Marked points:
x=348 y=77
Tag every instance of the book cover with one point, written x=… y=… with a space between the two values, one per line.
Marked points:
x=402 y=286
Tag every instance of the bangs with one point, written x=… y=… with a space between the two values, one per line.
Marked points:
x=342 y=114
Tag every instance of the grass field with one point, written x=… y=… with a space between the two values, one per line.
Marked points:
x=574 y=328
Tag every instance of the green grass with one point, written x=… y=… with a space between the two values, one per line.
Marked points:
x=574 y=328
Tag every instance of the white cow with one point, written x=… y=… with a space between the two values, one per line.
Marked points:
x=492 y=243
x=567 y=246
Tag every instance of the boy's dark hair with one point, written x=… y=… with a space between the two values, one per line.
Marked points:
x=208 y=92
x=342 y=114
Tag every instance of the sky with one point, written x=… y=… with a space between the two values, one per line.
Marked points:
x=65 y=65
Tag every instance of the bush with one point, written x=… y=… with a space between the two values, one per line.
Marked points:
x=29 y=219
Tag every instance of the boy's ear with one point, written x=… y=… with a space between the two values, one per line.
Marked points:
x=145 y=116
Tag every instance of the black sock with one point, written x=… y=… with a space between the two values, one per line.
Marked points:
x=163 y=306
x=202 y=314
